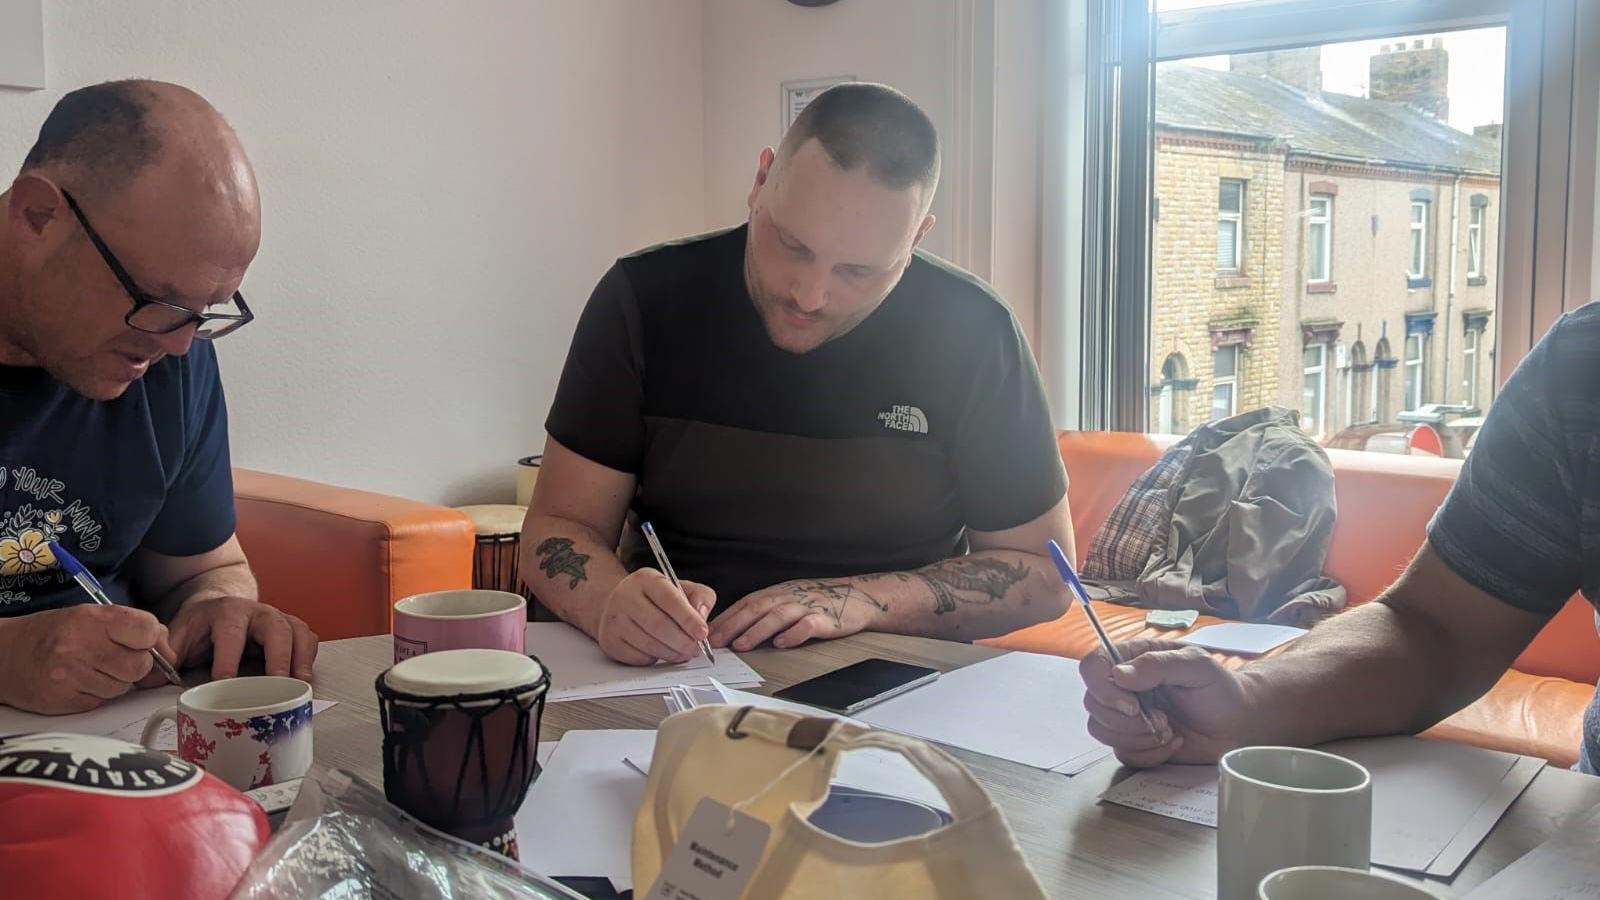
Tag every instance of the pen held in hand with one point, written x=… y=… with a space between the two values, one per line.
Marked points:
x=1071 y=578
x=91 y=586
x=666 y=568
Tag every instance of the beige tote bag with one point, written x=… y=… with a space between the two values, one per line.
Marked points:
x=775 y=766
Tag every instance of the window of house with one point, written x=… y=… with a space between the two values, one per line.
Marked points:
x=1320 y=243
x=1224 y=382
x=1469 y=365
x=1170 y=395
x=1475 y=243
x=1314 y=405
x=1230 y=225
x=1358 y=389
x=1419 y=239
x=1415 y=371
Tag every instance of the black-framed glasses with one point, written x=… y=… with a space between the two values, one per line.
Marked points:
x=158 y=316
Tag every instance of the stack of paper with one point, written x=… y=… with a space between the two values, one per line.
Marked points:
x=1025 y=707
x=873 y=770
x=1566 y=867
x=122 y=718
x=580 y=671
x=577 y=820
x=1433 y=802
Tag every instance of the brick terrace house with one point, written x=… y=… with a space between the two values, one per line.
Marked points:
x=1329 y=253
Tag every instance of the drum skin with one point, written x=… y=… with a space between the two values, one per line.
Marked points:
x=85 y=817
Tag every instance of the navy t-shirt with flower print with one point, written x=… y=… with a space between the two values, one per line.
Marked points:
x=149 y=469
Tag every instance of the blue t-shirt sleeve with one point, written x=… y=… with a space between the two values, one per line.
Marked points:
x=198 y=513
x=1511 y=524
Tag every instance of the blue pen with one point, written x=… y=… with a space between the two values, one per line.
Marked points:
x=1071 y=578
x=91 y=586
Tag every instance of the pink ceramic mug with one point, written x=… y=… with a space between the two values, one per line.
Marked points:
x=459 y=620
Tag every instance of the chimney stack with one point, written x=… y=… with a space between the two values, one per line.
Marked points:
x=1300 y=68
x=1491 y=131
x=1418 y=76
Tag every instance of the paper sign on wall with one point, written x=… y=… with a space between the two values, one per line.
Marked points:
x=22 y=43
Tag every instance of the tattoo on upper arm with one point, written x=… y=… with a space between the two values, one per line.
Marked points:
x=969 y=580
x=557 y=558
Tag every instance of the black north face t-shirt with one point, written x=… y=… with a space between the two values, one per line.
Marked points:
x=874 y=452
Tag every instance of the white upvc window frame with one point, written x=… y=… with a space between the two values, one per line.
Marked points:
x=1417 y=266
x=1325 y=243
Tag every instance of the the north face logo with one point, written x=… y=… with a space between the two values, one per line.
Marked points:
x=904 y=418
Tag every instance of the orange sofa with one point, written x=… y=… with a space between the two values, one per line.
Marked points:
x=1385 y=502
x=339 y=558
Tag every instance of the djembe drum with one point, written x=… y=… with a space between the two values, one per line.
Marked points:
x=498 y=529
x=460 y=731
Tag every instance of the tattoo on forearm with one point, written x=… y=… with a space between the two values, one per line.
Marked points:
x=831 y=598
x=557 y=558
x=969 y=580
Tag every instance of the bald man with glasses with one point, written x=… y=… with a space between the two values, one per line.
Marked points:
x=113 y=427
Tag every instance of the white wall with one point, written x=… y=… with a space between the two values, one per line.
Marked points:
x=443 y=184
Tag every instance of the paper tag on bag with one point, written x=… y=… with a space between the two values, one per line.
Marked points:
x=715 y=857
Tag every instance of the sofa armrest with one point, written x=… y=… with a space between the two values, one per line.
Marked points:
x=339 y=558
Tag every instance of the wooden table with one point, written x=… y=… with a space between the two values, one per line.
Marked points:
x=1077 y=846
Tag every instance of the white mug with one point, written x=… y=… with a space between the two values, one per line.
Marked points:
x=1323 y=882
x=250 y=732
x=1279 y=807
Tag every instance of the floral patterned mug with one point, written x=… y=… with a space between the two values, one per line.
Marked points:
x=250 y=732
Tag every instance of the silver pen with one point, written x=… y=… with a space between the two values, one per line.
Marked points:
x=666 y=568
x=91 y=586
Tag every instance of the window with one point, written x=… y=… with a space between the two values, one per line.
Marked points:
x=1171 y=395
x=1314 y=405
x=1383 y=380
x=1320 y=244
x=1230 y=226
x=1469 y=364
x=1475 y=243
x=1359 y=388
x=1419 y=239
x=1415 y=371
x=1302 y=116
x=1224 y=383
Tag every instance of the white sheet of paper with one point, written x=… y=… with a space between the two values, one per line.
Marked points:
x=122 y=718
x=1566 y=867
x=1454 y=855
x=578 y=817
x=1025 y=707
x=1425 y=794
x=1247 y=638
x=580 y=671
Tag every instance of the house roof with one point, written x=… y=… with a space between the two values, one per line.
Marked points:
x=1315 y=123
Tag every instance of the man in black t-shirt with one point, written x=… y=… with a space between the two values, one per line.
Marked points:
x=820 y=421
x=113 y=428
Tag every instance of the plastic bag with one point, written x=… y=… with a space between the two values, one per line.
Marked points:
x=344 y=841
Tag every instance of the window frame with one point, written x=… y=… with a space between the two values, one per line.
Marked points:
x=1326 y=244
x=1546 y=224
x=1320 y=418
x=1476 y=216
x=1471 y=341
x=1420 y=367
x=1417 y=265
x=1237 y=220
x=1231 y=382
